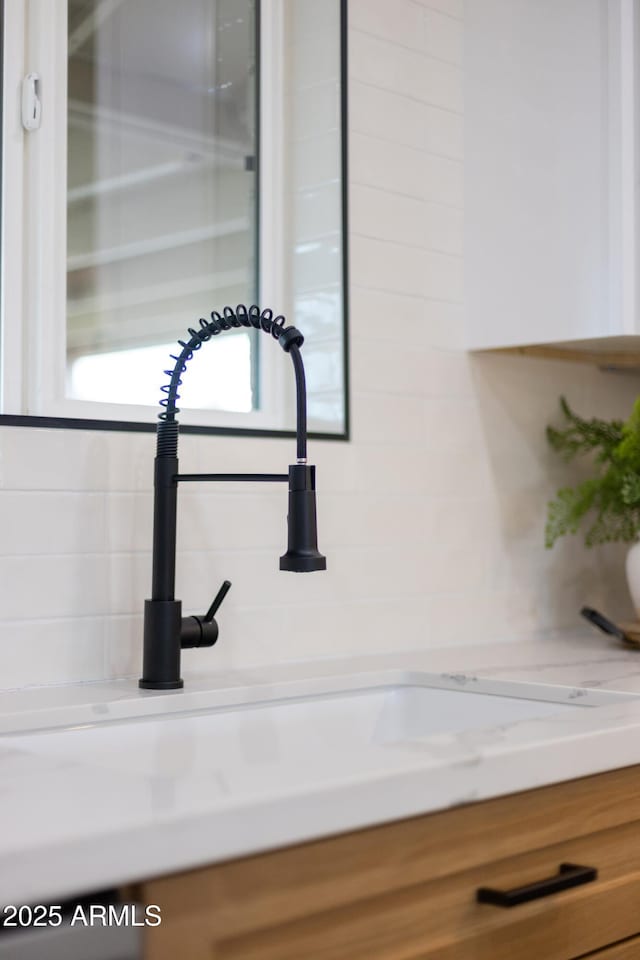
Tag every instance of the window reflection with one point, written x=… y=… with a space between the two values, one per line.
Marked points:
x=162 y=193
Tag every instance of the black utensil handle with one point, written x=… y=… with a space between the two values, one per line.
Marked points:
x=599 y=620
x=569 y=875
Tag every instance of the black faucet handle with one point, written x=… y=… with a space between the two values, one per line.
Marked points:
x=203 y=631
x=217 y=602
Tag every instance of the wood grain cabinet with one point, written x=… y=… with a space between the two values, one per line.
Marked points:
x=629 y=950
x=408 y=890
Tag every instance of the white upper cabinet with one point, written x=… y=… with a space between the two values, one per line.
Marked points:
x=551 y=173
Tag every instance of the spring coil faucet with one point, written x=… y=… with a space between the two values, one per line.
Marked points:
x=166 y=631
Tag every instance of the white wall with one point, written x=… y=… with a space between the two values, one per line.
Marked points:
x=431 y=518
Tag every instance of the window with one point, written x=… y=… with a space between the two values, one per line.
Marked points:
x=188 y=156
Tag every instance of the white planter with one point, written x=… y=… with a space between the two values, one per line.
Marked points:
x=633 y=575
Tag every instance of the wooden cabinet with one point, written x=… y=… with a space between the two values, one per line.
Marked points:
x=629 y=950
x=551 y=176
x=407 y=890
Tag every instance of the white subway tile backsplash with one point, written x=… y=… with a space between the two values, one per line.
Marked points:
x=443 y=36
x=128 y=581
x=443 y=411
x=393 y=470
x=130 y=458
x=447 y=564
x=452 y=470
x=123 y=645
x=255 y=576
x=368 y=573
x=465 y=616
x=452 y=8
x=50 y=586
x=389 y=116
x=235 y=454
x=222 y=520
x=385 y=316
x=386 y=624
x=74 y=522
x=129 y=521
x=380 y=315
x=403 y=269
x=380 y=367
x=385 y=65
x=395 y=420
x=406 y=27
x=374 y=519
x=444 y=324
x=36 y=459
x=34 y=652
x=387 y=216
x=450 y=374
x=404 y=171
x=428 y=29
x=423 y=371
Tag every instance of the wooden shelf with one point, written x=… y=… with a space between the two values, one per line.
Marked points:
x=612 y=353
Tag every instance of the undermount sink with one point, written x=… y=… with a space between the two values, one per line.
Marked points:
x=305 y=735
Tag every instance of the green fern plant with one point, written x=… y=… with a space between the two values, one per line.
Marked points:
x=609 y=501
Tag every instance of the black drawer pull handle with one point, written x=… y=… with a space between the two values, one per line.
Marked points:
x=569 y=875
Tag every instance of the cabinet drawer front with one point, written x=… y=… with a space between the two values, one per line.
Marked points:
x=629 y=950
x=408 y=889
x=442 y=920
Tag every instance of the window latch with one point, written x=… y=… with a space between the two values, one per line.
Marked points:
x=31 y=103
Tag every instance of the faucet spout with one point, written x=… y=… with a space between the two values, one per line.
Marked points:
x=302 y=554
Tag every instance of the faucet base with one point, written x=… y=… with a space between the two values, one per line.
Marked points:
x=161 y=684
x=161 y=656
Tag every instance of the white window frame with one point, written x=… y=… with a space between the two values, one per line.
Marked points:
x=34 y=221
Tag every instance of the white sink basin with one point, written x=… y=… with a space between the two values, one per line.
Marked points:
x=243 y=747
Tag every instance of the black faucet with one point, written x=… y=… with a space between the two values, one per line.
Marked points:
x=166 y=631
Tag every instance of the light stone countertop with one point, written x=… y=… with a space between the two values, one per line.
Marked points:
x=105 y=784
